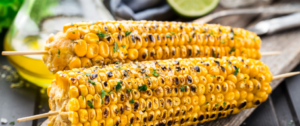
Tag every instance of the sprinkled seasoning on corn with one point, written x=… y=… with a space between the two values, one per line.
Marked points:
x=98 y=43
x=164 y=92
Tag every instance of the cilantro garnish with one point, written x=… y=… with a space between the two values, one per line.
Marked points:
x=172 y=33
x=119 y=86
x=127 y=33
x=90 y=103
x=231 y=50
x=131 y=101
x=168 y=36
x=58 y=52
x=236 y=71
x=182 y=88
x=116 y=47
x=87 y=74
x=102 y=93
x=143 y=87
x=92 y=82
x=101 y=34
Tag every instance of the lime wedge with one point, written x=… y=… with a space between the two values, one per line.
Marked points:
x=193 y=8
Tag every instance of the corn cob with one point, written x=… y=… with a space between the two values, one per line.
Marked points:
x=164 y=92
x=98 y=43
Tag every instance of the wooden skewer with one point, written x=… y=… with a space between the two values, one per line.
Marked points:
x=285 y=75
x=55 y=113
x=23 y=52
x=45 y=52
x=270 y=53
x=37 y=116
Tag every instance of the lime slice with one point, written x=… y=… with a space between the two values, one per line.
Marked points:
x=193 y=8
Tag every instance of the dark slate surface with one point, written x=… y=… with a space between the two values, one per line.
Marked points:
x=15 y=102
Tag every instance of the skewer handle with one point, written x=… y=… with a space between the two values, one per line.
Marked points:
x=23 y=52
x=36 y=116
x=285 y=75
x=270 y=53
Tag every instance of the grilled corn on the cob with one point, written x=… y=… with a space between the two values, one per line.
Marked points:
x=98 y=43
x=165 y=92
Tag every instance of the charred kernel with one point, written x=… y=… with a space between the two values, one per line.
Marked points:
x=105 y=83
x=222 y=68
x=163 y=68
x=189 y=52
x=170 y=122
x=221 y=108
x=193 y=88
x=178 y=68
x=217 y=62
x=151 y=37
x=176 y=62
x=182 y=121
x=213 y=115
x=257 y=102
x=200 y=118
x=195 y=119
x=107 y=100
x=144 y=56
x=132 y=38
x=197 y=68
x=227 y=107
x=109 y=74
x=94 y=75
x=243 y=105
x=136 y=106
x=150 y=118
x=119 y=37
x=235 y=68
x=219 y=114
x=189 y=79
x=143 y=71
x=176 y=80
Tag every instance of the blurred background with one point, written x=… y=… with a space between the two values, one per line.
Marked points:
x=26 y=24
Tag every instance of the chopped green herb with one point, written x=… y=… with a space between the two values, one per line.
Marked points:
x=118 y=111
x=228 y=65
x=90 y=103
x=172 y=33
x=109 y=92
x=102 y=93
x=217 y=105
x=182 y=88
x=236 y=71
x=58 y=52
x=92 y=82
x=116 y=47
x=154 y=73
x=143 y=87
x=245 y=78
x=145 y=109
x=12 y=123
x=291 y=122
x=222 y=41
x=101 y=34
x=206 y=103
x=119 y=86
x=102 y=101
x=129 y=90
x=212 y=75
x=131 y=101
x=82 y=97
x=73 y=32
x=72 y=24
x=224 y=103
x=168 y=36
x=253 y=39
x=123 y=46
x=131 y=19
x=87 y=74
x=120 y=67
x=190 y=40
x=213 y=54
x=231 y=50
x=127 y=33
x=211 y=33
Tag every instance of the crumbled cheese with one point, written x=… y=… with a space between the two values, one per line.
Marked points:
x=3 y=120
